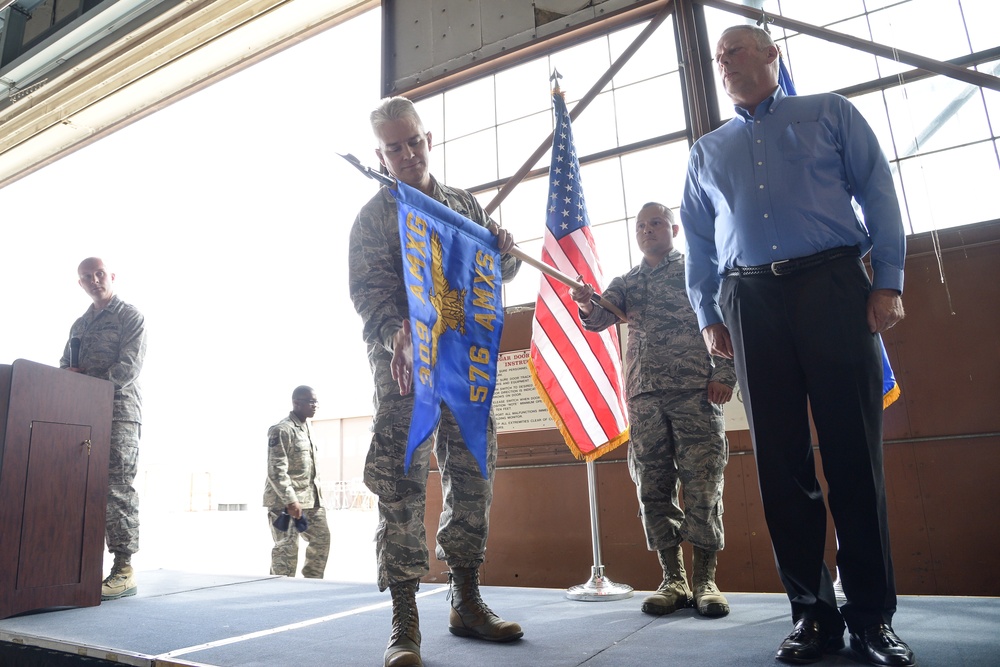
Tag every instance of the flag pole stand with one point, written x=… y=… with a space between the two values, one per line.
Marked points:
x=598 y=588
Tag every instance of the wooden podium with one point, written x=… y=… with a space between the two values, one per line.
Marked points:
x=55 y=438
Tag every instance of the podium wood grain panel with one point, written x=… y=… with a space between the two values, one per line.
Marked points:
x=55 y=489
x=55 y=437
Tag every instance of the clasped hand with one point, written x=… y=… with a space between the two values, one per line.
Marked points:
x=402 y=359
x=583 y=295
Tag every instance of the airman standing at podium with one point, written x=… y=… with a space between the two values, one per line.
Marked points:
x=109 y=342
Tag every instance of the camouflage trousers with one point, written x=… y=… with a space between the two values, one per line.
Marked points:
x=122 y=514
x=678 y=440
x=285 y=552
x=400 y=540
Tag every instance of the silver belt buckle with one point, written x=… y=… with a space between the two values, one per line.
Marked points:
x=775 y=265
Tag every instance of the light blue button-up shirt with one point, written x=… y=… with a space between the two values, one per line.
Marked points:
x=777 y=184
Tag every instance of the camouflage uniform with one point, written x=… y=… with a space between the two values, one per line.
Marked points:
x=112 y=347
x=292 y=478
x=379 y=296
x=678 y=437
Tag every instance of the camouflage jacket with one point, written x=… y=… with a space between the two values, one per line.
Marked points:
x=112 y=347
x=376 y=275
x=291 y=465
x=665 y=349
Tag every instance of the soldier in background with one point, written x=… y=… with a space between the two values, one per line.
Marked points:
x=379 y=295
x=293 y=488
x=675 y=391
x=109 y=342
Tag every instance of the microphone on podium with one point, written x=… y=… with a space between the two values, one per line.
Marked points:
x=74 y=352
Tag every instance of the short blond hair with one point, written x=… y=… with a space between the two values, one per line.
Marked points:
x=394 y=108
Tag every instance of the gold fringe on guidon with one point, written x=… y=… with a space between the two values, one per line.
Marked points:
x=616 y=442
x=889 y=398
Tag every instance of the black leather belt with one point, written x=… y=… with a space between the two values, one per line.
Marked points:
x=788 y=266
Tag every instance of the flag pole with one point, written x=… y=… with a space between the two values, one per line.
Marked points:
x=598 y=588
x=566 y=280
x=550 y=271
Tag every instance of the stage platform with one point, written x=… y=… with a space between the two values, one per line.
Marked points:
x=180 y=618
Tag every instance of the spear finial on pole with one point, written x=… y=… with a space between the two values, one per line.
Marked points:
x=555 y=78
x=388 y=181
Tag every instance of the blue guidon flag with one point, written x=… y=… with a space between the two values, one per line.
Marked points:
x=890 y=389
x=451 y=266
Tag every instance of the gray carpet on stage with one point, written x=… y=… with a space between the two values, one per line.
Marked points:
x=184 y=618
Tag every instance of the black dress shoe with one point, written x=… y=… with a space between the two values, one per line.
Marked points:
x=808 y=642
x=879 y=645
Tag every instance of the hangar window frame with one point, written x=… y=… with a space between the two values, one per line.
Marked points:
x=951 y=121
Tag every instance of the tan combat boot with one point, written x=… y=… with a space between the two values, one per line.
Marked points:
x=470 y=617
x=673 y=593
x=121 y=582
x=707 y=598
x=404 y=642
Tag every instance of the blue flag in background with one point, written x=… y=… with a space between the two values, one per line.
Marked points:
x=890 y=390
x=784 y=78
x=451 y=267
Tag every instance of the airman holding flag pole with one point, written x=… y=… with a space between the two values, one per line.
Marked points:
x=378 y=290
x=675 y=393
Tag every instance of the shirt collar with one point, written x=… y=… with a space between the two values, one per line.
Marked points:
x=672 y=256
x=768 y=105
x=112 y=307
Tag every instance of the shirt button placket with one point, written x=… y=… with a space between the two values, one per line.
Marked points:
x=760 y=173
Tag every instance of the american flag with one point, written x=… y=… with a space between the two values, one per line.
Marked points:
x=578 y=373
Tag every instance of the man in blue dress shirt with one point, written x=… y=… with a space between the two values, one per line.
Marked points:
x=775 y=276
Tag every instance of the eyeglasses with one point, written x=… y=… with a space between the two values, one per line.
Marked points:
x=310 y=402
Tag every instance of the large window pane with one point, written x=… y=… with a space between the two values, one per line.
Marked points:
x=431 y=112
x=657 y=55
x=931 y=28
x=656 y=174
x=602 y=188
x=472 y=159
x=872 y=107
x=820 y=66
x=935 y=113
x=947 y=189
x=594 y=130
x=872 y=5
x=524 y=288
x=992 y=98
x=982 y=18
x=652 y=108
x=523 y=90
x=523 y=211
x=817 y=13
x=581 y=66
x=469 y=108
x=520 y=138
x=611 y=241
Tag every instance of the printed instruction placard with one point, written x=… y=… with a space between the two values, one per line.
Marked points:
x=516 y=404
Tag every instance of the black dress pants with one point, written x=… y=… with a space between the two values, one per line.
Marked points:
x=801 y=341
